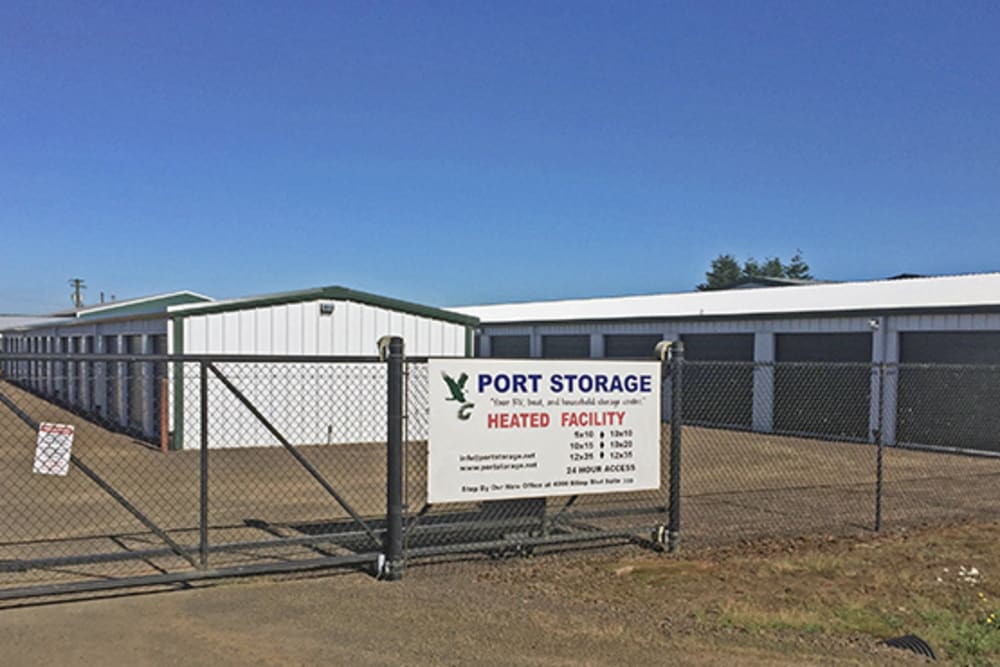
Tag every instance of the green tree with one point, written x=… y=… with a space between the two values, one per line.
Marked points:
x=726 y=270
x=797 y=268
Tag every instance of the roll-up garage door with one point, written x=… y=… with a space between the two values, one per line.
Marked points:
x=112 y=388
x=953 y=405
x=135 y=384
x=510 y=347
x=563 y=346
x=822 y=384
x=718 y=383
x=631 y=346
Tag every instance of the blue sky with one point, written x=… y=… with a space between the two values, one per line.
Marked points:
x=465 y=152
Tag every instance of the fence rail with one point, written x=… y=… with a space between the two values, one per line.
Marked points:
x=196 y=466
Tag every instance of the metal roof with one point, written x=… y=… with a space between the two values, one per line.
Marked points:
x=973 y=291
x=334 y=293
x=143 y=305
x=9 y=322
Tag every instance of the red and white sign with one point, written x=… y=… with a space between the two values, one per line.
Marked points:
x=55 y=444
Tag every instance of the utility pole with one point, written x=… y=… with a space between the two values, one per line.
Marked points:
x=78 y=286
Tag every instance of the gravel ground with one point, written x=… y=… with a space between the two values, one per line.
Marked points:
x=577 y=609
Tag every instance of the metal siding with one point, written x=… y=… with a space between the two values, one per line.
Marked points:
x=214 y=340
x=262 y=331
x=231 y=332
x=294 y=329
x=423 y=334
x=339 y=327
x=325 y=325
x=379 y=322
x=369 y=329
x=409 y=329
x=309 y=327
x=433 y=338
x=248 y=331
x=279 y=329
x=194 y=335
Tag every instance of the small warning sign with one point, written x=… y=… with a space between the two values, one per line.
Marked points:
x=55 y=444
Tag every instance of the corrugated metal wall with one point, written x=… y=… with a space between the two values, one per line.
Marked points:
x=299 y=328
x=295 y=406
x=884 y=330
x=119 y=395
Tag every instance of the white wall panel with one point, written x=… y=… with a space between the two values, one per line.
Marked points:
x=279 y=330
x=195 y=335
x=294 y=329
x=248 y=332
x=325 y=332
x=262 y=326
x=291 y=392
x=215 y=340
x=310 y=329
x=231 y=330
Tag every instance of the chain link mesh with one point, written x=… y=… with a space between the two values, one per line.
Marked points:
x=296 y=463
x=130 y=504
x=789 y=449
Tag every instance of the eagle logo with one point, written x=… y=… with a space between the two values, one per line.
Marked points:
x=457 y=390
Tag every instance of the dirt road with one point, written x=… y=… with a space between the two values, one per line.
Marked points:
x=625 y=607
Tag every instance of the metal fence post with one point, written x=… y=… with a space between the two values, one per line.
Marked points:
x=879 y=445
x=676 y=421
x=203 y=477
x=393 y=566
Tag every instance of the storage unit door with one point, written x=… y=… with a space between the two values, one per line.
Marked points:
x=134 y=384
x=510 y=347
x=111 y=372
x=631 y=346
x=949 y=406
x=718 y=381
x=825 y=388
x=563 y=346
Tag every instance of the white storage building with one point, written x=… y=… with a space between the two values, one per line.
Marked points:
x=939 y=320
x=328 y=321
x=304 y=400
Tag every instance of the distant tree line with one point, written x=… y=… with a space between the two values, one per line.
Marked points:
x=726 y=271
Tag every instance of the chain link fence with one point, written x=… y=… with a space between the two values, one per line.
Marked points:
x=191 y=467
x=184 y=468
x=789 y=449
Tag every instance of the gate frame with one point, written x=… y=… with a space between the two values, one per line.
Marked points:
x=203 y=549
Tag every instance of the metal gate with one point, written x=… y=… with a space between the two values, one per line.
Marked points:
x=271 y=465
x=503 y=528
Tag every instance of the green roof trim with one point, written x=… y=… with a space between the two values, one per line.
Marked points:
x=334 y=293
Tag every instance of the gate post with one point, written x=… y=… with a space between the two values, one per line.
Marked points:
x=203 y=461
x=393 y=566
x=676 y=421
x=880 y=446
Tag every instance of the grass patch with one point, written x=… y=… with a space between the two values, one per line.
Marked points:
x=942 y=585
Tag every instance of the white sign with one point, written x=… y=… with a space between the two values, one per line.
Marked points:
x=55 y=443
x=521 y=429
